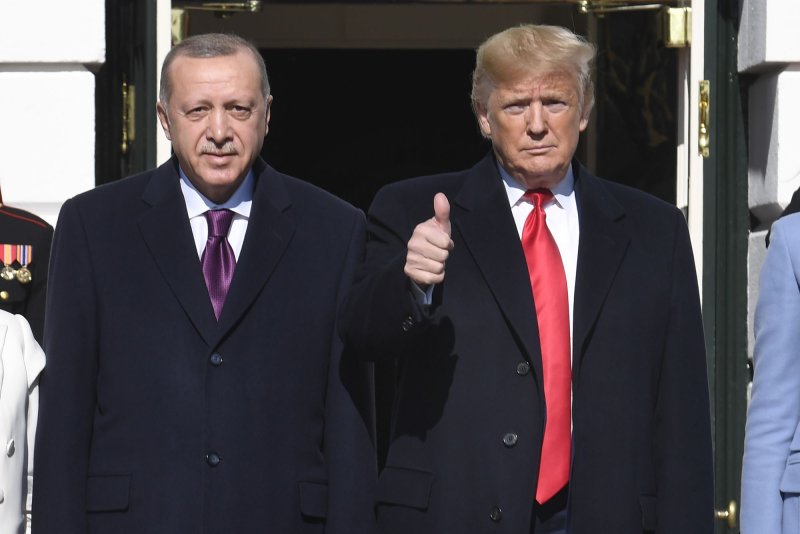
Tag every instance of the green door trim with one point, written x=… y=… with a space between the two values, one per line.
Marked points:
x=725 y=245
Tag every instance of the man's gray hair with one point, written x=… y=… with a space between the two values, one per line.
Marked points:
x=209 y=45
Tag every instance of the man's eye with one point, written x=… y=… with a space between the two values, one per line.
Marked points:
x=556 y=105
x=241 y=112
x=515 y=108
x=196 y=113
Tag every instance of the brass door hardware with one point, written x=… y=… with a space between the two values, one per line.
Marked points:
x=128 y=116
x=223 y=9
x=676 y=22
x=729 y=515
x=677 y=26
x=180 y=13
x=704 y=122
x=600 y=7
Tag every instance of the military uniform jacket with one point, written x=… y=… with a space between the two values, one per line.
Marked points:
x=19 y=227
x=469 y=411
x=156 y=418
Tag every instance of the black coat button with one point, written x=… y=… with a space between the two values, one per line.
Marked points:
x=216 y=359
x=495 y=514
x=510 y=439
x=523 y=368
x=213 y=459
x=408 y=322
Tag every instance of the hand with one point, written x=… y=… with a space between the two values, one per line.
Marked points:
x=430 y=246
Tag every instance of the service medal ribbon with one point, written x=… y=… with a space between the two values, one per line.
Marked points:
x=24 y=254
x=9 y=254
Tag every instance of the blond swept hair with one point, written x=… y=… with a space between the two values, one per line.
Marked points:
x=533 y=50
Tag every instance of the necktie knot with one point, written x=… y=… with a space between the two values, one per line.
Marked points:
x=537 y=197
x=219 y=222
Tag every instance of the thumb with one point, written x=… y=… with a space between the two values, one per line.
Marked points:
x=441 y=211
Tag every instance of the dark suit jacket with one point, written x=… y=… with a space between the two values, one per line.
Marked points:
x=20 y=227
x=469 y=370
x=143 y=429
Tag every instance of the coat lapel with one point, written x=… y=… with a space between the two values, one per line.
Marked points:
x=167 y=234
x=269 y=231
x=603 y=242
x=483 y=218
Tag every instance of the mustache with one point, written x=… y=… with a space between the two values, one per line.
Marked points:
x=225 y=150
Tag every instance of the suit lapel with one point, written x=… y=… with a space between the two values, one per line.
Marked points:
x=269 y=231
x=483 y=218
x=603 y=242
x=167 y=234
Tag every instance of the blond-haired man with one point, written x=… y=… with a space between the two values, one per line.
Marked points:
x=551 y=364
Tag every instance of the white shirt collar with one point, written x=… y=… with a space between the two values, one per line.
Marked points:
x=562 y=192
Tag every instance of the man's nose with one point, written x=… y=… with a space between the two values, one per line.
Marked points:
x=536 y=119
x=218 y=126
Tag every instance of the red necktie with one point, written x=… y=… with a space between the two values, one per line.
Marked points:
x=549 y=287
x=218 y=261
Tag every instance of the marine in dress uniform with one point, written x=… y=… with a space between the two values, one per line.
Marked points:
x=25 y=252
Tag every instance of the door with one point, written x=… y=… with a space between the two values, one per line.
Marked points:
x=126 y=91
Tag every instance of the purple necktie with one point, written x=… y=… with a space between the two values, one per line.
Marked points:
x=218 y=260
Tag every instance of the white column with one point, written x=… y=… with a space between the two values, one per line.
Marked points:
x=768 y=49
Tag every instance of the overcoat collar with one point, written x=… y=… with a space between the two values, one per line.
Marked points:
x=604 y=240
x=166 y=231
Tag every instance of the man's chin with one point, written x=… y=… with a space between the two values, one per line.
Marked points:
x=222 y=174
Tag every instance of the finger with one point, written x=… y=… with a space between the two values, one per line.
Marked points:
x=441 y=211
x=429 y=234
x=423 y=277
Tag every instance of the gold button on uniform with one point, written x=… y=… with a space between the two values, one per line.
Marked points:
x=3 y=295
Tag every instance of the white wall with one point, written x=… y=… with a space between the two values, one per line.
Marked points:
x=48 y=50
x=769 y=49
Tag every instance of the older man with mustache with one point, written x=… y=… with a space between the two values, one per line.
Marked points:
x=195 y=381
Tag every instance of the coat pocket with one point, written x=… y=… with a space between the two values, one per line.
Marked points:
x=107 y=493
x=790 y=481
x=314 y=499
x=405 y=487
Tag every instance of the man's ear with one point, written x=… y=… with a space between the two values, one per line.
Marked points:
x=483 y=119
x=163 y=119
x=267 y=113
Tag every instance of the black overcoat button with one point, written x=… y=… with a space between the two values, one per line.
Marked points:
x=510 y=439
x=495 y=514
x=213 y=459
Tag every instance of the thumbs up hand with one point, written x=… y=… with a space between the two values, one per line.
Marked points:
x=430 y=246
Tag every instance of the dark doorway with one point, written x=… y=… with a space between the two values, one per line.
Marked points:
x=351 y=121
x=636 y=104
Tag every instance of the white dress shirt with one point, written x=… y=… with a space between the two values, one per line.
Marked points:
x=239 y=203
